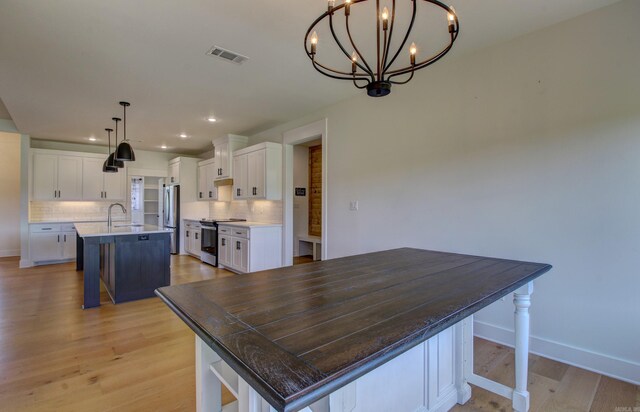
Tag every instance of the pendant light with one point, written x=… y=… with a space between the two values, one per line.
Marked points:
x=111 y=160
x=124 y=151
x=106 y=168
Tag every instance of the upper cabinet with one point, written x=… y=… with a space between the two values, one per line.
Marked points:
x=223 y=149
x=183 y=171
x=207 y=171
x=56 y=177
x=257 y=172
x=97 y=185
x=174 y=171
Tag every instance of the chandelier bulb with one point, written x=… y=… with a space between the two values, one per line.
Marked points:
x=331 y=4
x=385 y=14
x=354 y=57
x=314 y=42
x=354 y=61
x=413 y=49
x=452 y=19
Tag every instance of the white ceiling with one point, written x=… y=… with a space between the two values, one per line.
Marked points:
x=65 y=64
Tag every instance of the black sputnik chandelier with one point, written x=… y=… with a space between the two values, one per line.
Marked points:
x=386 y=70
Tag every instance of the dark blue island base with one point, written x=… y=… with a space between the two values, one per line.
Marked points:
x=131 y=266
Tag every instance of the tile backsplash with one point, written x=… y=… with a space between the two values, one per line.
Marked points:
x=52 y=211
x=267 y=211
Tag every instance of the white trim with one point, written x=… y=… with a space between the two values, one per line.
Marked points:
x=596 y=362
x=9 y=252
x=25 y=263
x=290 y=138
x=133 y=171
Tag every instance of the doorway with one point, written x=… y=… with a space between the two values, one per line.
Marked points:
x=305 y=193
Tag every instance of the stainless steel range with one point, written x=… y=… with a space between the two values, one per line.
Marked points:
x=209 y=236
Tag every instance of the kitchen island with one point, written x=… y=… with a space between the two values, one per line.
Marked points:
x=384 y=331
x=132 y=260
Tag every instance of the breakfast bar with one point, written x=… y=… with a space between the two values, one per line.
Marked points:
x=132 y=260
x=383 y=331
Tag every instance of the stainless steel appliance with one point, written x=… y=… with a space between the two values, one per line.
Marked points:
x=171 y=214
x=209 y=239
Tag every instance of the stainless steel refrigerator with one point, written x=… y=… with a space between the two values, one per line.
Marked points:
x=171 y=214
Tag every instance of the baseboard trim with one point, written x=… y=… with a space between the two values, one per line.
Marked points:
x=9 y=252
x=621 y=369
x=25 y=263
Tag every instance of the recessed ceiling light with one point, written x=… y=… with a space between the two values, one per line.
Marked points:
x=212 y=119
x=93 y=139
x=183 y=135
x=164 y=146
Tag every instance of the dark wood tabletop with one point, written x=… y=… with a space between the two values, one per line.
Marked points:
x=298 y=333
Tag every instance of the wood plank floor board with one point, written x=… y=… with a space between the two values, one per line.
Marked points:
x=139 y=356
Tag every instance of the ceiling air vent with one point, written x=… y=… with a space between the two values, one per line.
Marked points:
x=227 y=55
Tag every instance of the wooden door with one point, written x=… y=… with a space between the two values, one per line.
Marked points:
x=315 y=191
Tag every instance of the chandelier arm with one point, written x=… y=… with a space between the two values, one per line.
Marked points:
x=378 y=61
x=329 y=69
x=423 y=63
x=326 y=71
x=360 y=87
x=367 y=69
x=353 y=44
x=406 y=36
x=393 y=18
x=402 y=82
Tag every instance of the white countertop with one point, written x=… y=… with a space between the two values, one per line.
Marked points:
x=101 y=229
x=67 y=220
x=249 y=224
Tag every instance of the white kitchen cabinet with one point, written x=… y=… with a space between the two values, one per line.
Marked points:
x=206 y=180
x=245 y=248
x=56 y=177
x=192 y=232
x=258 y=172
x=174 y=171
x=223 y=150
x=52 y=242
x=97 y=185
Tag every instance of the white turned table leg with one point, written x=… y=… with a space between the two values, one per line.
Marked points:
x=522 y=302
x=208 y=386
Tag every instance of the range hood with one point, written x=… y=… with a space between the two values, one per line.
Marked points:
x=223 y=182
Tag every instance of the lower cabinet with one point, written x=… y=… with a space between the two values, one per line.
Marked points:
x=51 y=243
x=245 y=249
x=192 y=240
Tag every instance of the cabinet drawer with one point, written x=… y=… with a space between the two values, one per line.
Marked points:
x=240 y=232
x=224 y=230
x=67 y=227
x=44 y=228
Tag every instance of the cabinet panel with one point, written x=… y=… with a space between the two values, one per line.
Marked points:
x=45 y=246
x=256 y=167
x=174 y=173
x=240 y=254
x=44 y=176
x=240 y=177
x=212 y=190
x=92 y=175
x=69 y=178
x=224 y=250
x=203 y=178
x=196 y=242
x=114 y=185
x=222 y=157
x=68 y=240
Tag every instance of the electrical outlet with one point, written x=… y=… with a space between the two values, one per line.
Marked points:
x=353 y=205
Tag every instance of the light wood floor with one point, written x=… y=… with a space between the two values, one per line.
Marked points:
x=139 y=356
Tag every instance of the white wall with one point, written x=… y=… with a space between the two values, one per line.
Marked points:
x=526 y=150
x=300 y=203
x=10 y=189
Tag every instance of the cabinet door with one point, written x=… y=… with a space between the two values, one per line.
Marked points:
x=114 y=185
x=223 y=160
x=69 y=178
x=92 y=179
x=256 y=169
x=45 y=246
x=68 y=240
x=196 y=243
x=212 y=190
x=44 y=172
x=203 y=179
x=224 y=250
x=187 y=239
x=240 y=177
x=240 y=254
x=174 y=173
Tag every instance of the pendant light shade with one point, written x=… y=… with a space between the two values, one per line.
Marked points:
x=111 y=160
x=124 y=151
x=106 y=167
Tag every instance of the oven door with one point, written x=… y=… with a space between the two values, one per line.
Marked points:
x=209 y=236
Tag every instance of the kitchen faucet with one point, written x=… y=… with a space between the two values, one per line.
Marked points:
x=109 y=215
